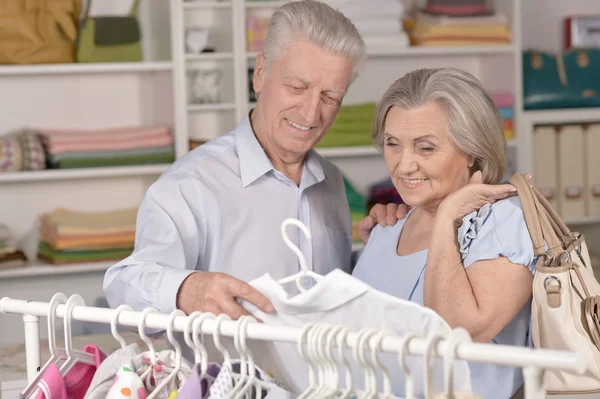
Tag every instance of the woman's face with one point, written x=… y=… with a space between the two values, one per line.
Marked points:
x=424 y=163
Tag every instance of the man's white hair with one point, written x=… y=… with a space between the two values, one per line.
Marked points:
x=318 y=23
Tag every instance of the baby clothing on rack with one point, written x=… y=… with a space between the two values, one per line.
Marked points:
x=75 y=383
x=342 y=299
x=127 y=384
x=105 y=374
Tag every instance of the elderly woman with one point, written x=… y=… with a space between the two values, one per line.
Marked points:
x=463 y=249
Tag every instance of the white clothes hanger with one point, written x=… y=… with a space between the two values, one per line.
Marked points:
x=430 y=342
x=333 y=367
x=341 y=343
x=74 y=356
x=304 y=272
x=217 y=340
x=170 y=379
x=459 y=335
x=252 y=381
x=409 y=384
x=146 y=375
x=375 y=348
x=56 y=353
x=306 y=356
x=187 y=333
x=115 y=320
x=200 y=354
x=316 y=344
x=242 y=357
x=370 y=372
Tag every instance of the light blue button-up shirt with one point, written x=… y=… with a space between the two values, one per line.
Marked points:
x=219 y=208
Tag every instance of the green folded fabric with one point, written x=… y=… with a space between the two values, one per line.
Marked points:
x=356 y=201
x=168 y=149
x=66 y=255
x=116 y=161
x=352 y=127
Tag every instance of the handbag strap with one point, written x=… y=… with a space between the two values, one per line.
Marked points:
x=532 y=219
x=537 y=218
x=560 y=226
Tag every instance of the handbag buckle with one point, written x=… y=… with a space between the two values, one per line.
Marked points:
x=553 y=291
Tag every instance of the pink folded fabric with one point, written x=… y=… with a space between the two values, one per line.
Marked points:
x=69 y=136
x=109 y=145
x=502 y=99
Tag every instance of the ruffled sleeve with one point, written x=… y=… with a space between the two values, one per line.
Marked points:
x=496 y=230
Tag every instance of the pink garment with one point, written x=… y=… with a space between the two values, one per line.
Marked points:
x=502 y=100
x=76 y=382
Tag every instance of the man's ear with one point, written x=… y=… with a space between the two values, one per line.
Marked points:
x=259 y=74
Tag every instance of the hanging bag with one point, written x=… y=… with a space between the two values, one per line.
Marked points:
x=110 y=38
x=38 y=31
x=566 y=295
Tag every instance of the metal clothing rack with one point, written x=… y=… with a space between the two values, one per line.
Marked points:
x=533 y=362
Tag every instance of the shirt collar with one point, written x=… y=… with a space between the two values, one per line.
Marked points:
x=335 y=289
x=254 y=162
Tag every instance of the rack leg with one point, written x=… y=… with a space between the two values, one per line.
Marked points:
x=32 y=345
x=534 y=383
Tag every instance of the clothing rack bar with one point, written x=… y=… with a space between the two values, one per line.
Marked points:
x=472 y=352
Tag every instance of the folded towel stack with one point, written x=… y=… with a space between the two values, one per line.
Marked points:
x=68 y=236
x=352 y=127
x=380 y=22
x=440 y=30
x=9 y=257
x=504 y=102
x=21 y=150
x=108 y=147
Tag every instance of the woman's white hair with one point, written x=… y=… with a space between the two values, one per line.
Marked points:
x=318 y=23
x=474 y=123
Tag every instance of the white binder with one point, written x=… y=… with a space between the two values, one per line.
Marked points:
x=571 y=172
x=592 y=145
x=545 y=156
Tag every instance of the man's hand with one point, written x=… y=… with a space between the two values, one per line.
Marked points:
x=383 y=215
x=216 y=293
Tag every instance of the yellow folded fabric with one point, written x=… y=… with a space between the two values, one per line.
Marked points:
x=125 y=240
x=64 y=222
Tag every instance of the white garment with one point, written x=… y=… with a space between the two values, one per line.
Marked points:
x=342 y=299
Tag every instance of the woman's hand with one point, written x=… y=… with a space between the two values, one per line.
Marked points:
x=473 y=196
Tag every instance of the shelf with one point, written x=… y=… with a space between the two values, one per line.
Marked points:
x=96 y=68
x=566 y=115
x=341 y=152
x=265 y=4
x=46 y=269
x=191 y=5
x=209 y=56
x=441 y=51
x=417 y=51
x=211 y=107
x=84 y=173
x=583 y=220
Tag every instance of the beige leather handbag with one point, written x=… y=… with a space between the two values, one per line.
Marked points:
x=565 y=308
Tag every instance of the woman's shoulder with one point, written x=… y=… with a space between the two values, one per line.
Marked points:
x=497 y=229
x=505 y=212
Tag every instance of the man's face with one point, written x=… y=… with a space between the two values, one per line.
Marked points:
x=299 y=97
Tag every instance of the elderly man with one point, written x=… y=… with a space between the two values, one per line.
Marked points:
x=212 y=221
